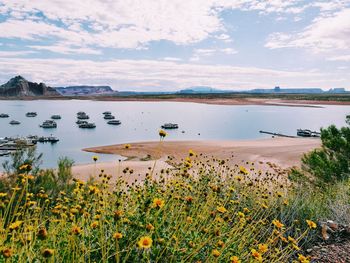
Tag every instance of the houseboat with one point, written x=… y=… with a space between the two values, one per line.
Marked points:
x=48 y=124
x=170 y=126
x=31 y=114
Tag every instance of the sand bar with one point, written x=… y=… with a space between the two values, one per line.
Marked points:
x=284 y=152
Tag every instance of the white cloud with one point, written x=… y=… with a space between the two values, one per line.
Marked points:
x=128 y=23
x=63 y=49
x=172 y=59
x=15 y=53
x=325 y=34
x=201 y=53
x=164 y=75
x=340 y=58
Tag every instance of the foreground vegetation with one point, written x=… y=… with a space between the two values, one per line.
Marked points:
x=202 y=210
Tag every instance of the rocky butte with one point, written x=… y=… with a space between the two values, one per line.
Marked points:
x=20 y=87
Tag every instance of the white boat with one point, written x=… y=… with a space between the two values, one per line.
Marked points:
x=170 y=126
x=88 y=125
x=109 y=117
x=56 y=117
x=13 y=122
x=31 y=114
x=114 y=122
x=49 y=124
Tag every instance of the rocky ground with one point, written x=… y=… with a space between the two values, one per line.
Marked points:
x=334 y=244
x=331 y=253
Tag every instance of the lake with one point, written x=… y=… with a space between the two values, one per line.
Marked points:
x=141 y=121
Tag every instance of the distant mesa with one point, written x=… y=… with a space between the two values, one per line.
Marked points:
x=200 y=89
x=20 y=87
x=85 y=90
x=276 y=90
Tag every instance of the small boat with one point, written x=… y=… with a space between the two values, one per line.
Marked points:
x=80 y=122
x=114 y=122
x=88 y=125
x=56 y=117
x=83 y=116
x=170 y=126
x=31 y=114
x=4 y=140
x=5 y=153
x=51 y=139
x=107 y=113
x=13 y=122
x=4 y=115
x=109 y=117
x=48 y=124
x=308 y=133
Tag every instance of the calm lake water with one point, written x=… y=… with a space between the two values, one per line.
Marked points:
x=141 y=122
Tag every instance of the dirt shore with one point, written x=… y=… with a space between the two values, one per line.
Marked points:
x=284 y=152
x=204 y=100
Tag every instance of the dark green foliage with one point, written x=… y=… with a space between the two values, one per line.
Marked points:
x=25 y=162
x=331 y=162
x=21 y=157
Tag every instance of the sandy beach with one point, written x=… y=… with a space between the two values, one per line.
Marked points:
x=284 y=152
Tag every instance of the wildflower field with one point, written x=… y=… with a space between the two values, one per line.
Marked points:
x=202 y=210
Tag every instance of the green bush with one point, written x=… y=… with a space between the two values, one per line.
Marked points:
x=331 y=162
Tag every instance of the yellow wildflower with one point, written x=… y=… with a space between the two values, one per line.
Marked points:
x=263 y=248
x=221 y=209
x=277 y=223
x=117 y=235
x=15 y=225
x=191 y=153
x=94 y=224
x=216 y=253
x=243 y=170
x=158 y=202
x=150 y=227
x=303 y=259
x=127 y=146
x=7 y=252
x=76 y=230
x=47 y=252
x=221 y=243
x=311 y=224
x=162 y=133
x=235 y=259
x=256 y=255
x=145 y=242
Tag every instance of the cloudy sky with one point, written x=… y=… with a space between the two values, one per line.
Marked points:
x=170 y=45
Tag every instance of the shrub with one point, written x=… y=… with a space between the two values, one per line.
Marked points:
x=331 y=162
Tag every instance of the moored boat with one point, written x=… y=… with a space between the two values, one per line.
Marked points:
x=4 y=115
x=56 y=117
x=14 y=122
x=87 y=125
x=107 y=113
x=48 y=124
x=51 y=139
x=114 y=122
x=31 y=114
x=108 y=117
x=307 y=133
x=82 y=116
x=4 y=153
x=80 y=122
x=170 y=126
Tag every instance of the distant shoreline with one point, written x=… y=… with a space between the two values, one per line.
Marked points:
x=213 y=99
